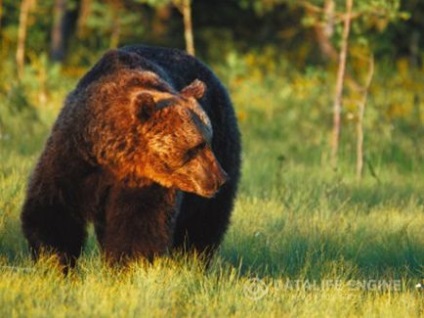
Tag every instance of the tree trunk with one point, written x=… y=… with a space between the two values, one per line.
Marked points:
x=83 y=14
x=57 y=45
x=116 y=32
x=324 y=31
x=337 y=107
x=116 y=24
x=360 y=122
x=1 y=12
x=22 y=34
x=185 y=8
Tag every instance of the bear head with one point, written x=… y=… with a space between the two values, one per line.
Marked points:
x=142 y=131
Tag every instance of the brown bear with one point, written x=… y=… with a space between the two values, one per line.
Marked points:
x=148 y=148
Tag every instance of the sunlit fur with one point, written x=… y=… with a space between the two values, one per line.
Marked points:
x=148 y=153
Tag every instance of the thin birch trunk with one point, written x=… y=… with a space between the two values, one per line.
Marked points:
x=184 y=6
x=83 y=14
x=1 y=12
x=116 y=32
x=337 y=107
x=22 y=34
x=116 y=24
x=57 y=46
x=360 y=122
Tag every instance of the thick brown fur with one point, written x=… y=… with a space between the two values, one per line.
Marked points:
x=146 y=147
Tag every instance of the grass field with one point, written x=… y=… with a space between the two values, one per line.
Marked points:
x=305 y=241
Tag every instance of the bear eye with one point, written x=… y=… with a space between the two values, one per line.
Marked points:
x=191 y=153
x=144 y=105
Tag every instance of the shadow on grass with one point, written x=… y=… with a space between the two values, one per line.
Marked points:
x=303 y=257
x=367 y=230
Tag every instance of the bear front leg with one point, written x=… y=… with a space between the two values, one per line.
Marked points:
x=138 y=223
x=53 y=228
x=201 y=225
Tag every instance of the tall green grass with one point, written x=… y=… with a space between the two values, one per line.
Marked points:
x=305 y=240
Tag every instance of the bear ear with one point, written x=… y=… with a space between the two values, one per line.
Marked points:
x=144 y=106
x=196 y=89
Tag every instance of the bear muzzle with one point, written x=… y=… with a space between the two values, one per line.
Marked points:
x=204 y=181
x=215 y=180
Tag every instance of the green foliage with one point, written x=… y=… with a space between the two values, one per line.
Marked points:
x=102 y=21
x=294 y=109
x=155 y=3
x=260 y=7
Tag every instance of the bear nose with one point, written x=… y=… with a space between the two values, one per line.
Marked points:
x=221 y=178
